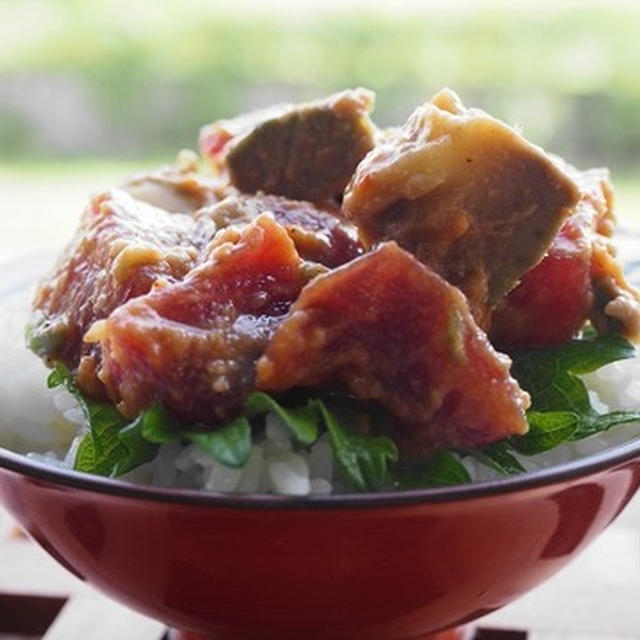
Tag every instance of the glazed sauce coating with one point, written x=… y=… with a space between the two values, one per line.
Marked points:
x=465 y=194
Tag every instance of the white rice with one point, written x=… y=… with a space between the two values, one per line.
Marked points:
x=271 y=468
x=48 y=425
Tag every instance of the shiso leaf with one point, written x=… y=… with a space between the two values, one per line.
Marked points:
x=561 y=410
x=363 y=458
x=594 y=423
x=547 y=429
x=302 y=421
x=96 y=412
x=141 y=438
x=100 y=449
x=550 y=374
x=158 y=425
x=498 y=457
x=230 y=445
x=443 y=468
x=139 y=449
x=85 y=459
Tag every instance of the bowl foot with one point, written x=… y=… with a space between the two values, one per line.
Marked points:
x=459 y=633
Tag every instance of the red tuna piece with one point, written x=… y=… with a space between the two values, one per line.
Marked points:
x=318 y=232
x=121 y=247
x=553 y=300
x=389 y=329
x=193 y=345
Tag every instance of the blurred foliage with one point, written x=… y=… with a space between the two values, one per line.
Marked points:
x=150 y=74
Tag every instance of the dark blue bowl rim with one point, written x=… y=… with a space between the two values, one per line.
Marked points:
x=606 y=460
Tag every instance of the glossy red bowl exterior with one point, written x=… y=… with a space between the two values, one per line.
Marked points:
x=386 y=566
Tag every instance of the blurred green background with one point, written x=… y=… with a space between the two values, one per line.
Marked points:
x=91 y=89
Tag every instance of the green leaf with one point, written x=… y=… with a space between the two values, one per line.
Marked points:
x=85 y=459
x=141 y=438
x=442 y=468
x=547 y=429
x=550 y=374
x=230 y=445
x=60 y=375
x=498 y=457
x=100 y=413
x=587 y=355
x=302 y=421
x=595 y=423
x=100 y=450
x=588 y=332
x=560 y=405
x=138 y=449
x=158 y=426
x=363 y=458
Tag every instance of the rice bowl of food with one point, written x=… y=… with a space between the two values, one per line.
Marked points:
x=344 y=381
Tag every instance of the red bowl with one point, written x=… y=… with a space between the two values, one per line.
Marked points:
x=389 y=565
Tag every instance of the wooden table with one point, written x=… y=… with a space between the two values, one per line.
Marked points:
x=595 y=598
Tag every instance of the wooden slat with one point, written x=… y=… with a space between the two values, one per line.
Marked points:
x=22 y=616
x=484 y=633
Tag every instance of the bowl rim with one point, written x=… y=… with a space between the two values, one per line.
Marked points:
x=605 y=460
